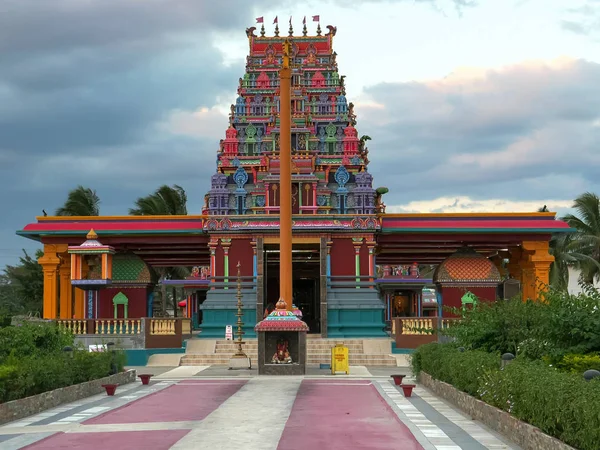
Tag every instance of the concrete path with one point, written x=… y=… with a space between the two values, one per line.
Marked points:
x=185 y=408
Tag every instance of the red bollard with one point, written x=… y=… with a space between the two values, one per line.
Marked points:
x=110 y=389
x=145 y=377
x=397 y=379
x=407 y=389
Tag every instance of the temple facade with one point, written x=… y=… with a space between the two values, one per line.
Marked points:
x=354 y=266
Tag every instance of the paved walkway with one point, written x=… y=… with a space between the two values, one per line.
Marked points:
x=213 y=408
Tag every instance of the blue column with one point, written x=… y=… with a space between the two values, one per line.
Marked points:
x=90 y=304
x=438 y=295
x=150 y=307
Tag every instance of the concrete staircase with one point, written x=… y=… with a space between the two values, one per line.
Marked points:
x=362 y=352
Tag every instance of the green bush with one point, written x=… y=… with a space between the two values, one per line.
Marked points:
x=577 y=363
x=561 y=404
x=461 y=369
x=561 y=324
x=23 y=377
x=32 y=361
x=31 y=339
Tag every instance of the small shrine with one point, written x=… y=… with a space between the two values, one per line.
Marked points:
x=281 y=343
x=92 y=258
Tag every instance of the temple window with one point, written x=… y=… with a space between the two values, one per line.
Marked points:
x=250 y=148
x=331 y=148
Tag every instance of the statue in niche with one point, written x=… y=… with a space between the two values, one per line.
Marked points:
x=282 y=355
x=231 y=113
x=351 y=115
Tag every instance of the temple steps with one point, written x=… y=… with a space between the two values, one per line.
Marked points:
x=204 y=352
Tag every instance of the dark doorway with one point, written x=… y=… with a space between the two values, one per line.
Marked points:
x=306 y=273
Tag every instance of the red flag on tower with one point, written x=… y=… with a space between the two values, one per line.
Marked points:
x=260 y=19
x=316 y=19
x=275 y=21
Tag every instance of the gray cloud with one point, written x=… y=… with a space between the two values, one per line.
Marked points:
x=83 y=86
x=527 y=132
x=583 y=20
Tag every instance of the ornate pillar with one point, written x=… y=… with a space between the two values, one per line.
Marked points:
x=314 y=194
x=212 y=245
x=535 y=262
x=65 y=288
x=357 y=242
x=225 y=243
x=325 y=272
x=371 y=248
x=50 y=262
x=259 y=249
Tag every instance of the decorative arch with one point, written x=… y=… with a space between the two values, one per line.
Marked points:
x=121 y=299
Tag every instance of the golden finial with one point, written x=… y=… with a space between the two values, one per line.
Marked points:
x=92 y=234
x=281 y=304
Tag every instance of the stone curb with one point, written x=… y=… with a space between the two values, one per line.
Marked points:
x=28 y=406
x=525 y=435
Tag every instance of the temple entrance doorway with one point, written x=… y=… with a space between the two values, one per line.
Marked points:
x=306 y=273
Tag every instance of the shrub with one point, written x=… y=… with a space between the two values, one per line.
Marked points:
x=578 y=363
x=461 y=369
x=23 y=377
x=31 y=339
x=561 y=404
x=558 y=325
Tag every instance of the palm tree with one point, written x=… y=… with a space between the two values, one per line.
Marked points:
x=81 y=201
x=584 y=247
x=167 y=201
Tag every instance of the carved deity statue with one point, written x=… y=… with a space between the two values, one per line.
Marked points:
x=282 y=355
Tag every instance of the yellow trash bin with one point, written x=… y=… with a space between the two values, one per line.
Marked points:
x=339 y=359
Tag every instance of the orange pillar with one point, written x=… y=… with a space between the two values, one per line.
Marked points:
x=66 y=290
x=285 y=179
x=535 y=262
x=50 y=262
x=79 y=294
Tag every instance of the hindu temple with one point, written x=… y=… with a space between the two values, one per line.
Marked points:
x=355 y=267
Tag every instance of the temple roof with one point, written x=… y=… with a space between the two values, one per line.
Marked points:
x=466 y=266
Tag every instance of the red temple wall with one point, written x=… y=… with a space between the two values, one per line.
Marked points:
x=138 y=298
x=241 y=250
x=342 y=257
x=451 y=296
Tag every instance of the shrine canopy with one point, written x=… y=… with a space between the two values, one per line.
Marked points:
x=161 y=241
x=431 y=238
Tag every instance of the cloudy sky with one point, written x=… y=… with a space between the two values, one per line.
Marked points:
x=473 y=105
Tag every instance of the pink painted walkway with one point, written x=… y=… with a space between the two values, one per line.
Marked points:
x=342 y=416
x=155 y=440
x=180 y=402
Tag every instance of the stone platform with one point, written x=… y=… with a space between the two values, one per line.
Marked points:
x=362 y=352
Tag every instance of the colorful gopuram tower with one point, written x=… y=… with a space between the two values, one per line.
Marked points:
x=329 y=160
x=332 y=191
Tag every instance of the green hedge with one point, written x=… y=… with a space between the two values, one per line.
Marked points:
x=561 y=404
x=446 y=363
x=32 y=361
